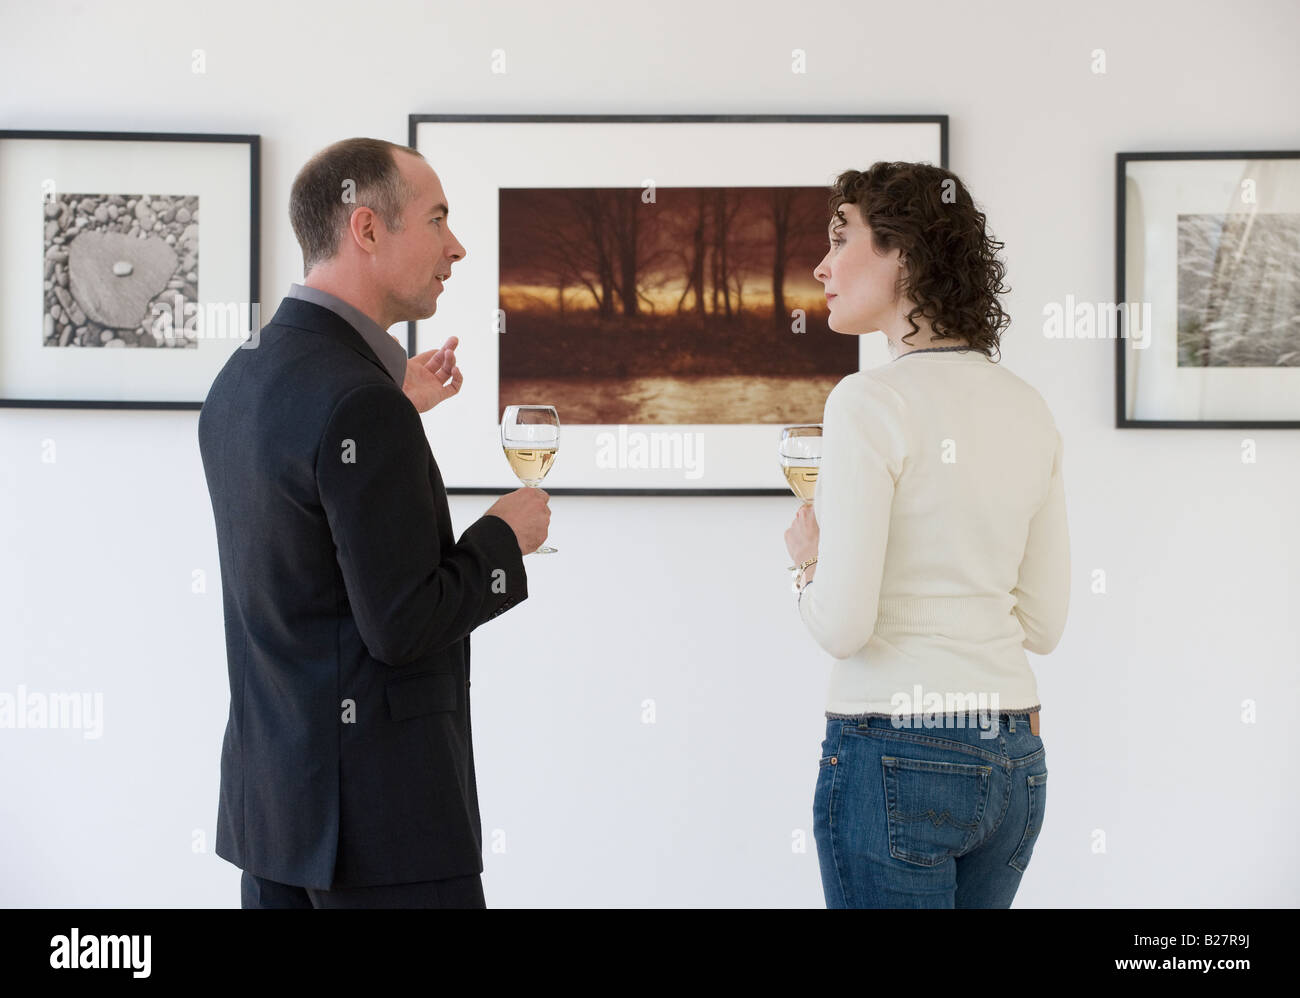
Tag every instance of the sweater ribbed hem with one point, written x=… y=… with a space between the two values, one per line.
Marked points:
x=1002 y=712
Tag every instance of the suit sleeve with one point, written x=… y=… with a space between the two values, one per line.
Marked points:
x=1043 y=590
x=409 y=598
x=864 y=447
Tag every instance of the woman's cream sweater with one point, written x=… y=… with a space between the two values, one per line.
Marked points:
x=944 y=552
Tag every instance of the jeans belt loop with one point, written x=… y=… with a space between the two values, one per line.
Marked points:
x=1011 y=723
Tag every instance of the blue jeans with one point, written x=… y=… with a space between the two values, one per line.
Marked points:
x=927 y=817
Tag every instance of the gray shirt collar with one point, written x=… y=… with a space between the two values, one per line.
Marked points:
x=387 y=349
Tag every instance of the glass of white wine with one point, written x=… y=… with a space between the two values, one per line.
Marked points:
x=800 y=452
x=530 y=436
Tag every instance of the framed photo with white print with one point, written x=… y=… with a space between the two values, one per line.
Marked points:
x=651 y=277
x=128 y=266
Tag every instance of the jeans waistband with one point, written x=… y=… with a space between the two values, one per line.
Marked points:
x=1012 y=721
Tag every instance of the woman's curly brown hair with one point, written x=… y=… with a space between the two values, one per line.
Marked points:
x=953 y=275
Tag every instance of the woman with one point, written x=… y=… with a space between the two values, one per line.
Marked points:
x=941 y=502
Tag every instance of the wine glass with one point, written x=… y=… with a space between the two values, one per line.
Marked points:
x=530 y=436
x=800 y=452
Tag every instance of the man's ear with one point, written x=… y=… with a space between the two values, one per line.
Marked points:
x=361 y=227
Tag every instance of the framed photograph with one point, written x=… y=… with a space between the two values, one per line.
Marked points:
x=128 y=266
x=1207 y=308
x=651 y=277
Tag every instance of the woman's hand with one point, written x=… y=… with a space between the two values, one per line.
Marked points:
x=427 y=375
x=802 y=538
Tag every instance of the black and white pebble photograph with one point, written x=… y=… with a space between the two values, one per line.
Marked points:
x=120 y=270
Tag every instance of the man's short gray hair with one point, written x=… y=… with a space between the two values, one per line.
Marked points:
x=336 y=180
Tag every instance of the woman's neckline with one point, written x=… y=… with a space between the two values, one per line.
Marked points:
x=966 y=349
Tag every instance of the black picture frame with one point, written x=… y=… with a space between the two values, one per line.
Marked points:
x=253 y=209
x=1123 y=160
x=939 y=121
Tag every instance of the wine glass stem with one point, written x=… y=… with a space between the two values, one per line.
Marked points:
x=545 y=548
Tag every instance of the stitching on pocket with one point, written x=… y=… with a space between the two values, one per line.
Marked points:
x=1037 y=783
x=922 y=829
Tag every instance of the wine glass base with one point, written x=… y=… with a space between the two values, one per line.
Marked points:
x=546 y=550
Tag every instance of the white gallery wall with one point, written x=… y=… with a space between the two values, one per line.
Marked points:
x=1160 y=793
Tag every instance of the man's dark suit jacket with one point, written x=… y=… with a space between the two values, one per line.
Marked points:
x=347 y=758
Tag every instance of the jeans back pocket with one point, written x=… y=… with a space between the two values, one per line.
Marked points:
x=934 y=808
x=1037 y=783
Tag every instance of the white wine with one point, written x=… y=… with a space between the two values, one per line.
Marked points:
x=802 y=479
x=530 y=436
x=530 y=464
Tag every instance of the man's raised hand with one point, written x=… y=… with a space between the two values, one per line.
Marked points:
x=432 y=376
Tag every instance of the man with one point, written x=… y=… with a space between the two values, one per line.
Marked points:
x=347 y=769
